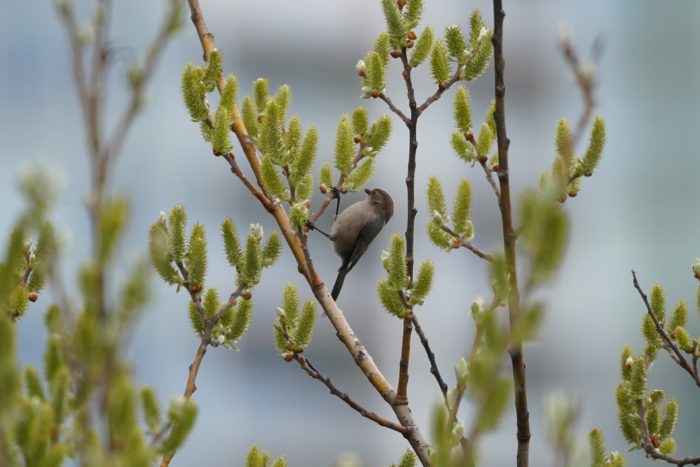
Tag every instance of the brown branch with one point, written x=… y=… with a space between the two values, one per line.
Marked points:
x=431 y=356
x=648 y=445
x=509 y=238
x=492 y=183
x=466 y=244
x=396 y=110
x=438 y=94
x=586 y=84
x=669 y=345
x=315 y=374
x=402 y=390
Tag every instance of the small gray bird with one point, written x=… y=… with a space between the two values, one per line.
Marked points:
x=355 y=228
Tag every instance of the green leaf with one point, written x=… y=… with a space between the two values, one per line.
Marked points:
x=212 y=71
x=395 y=24
x=456 y=45
x=439 y=64
x=479 y=59
x=221 y=134
x=374 y=69
x=231 y=243
x=462 y=110
x=305 y=327
x=194 y=92
x=253 y=262
x=230 y=93
x=177 y=223
x=182 y=414
x=241 y=320
x=476 y=23
x=396 y=264
x=464 y=149
x=423 y=282
x=379 y=134
x=283 y=98
x=360 y=121
x=412 y=12
x=261 y=90
x=564 y=141
x=344 y=146
x=381 y=46
x=389 y=297
x=151 y=408
x=326 y=175
x=596 y=144
x=302 y=165
x=250 y=117
x=422 y=47
x=211 y=302
x=462 y=207
x=197 y=255
x=596 y=443
x=159 y=246
x=436 y=198
x=679 y=316
x=271 y=180
x=360 y=175
x=272 y=250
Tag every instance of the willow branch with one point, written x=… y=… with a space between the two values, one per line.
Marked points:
x=396 y=110
x=466 y=244
x=509 y=238
x=669 y=345
x=317 y=375
x=431 y=357
x=345 y=333
x=651 y=450
x=492 y=183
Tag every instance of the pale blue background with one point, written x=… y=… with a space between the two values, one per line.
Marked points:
x=638 y=211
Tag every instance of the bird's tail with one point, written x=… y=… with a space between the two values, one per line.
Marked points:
x=339 y=281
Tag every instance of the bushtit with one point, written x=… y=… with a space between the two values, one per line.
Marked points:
x=355 y=228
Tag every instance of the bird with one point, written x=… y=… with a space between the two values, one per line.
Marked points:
x=355 y=228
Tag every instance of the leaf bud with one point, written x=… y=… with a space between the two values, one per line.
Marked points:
x=288 y=356
x=323 y=188
x=395 y=53
x=409 y=44
x=32 y=296
x=412 y=35
x=696 y=268
x=247 y=295
x=629 y=362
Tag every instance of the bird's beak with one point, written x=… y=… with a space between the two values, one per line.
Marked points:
x=368 y=191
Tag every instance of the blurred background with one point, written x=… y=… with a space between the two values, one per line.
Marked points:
x=638 y=211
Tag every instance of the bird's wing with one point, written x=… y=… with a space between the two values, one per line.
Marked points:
x=364 y=238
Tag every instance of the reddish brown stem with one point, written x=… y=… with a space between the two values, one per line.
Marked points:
x=516 y=353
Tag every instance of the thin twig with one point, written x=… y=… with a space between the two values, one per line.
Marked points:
x=438 y=94
x=492 y=183
x=431 y=357
x=315 y=374
x=396 y=110
x=648 y=445
x=509 y=238
x=586 y=84
x=466 y=244
x=669 y=345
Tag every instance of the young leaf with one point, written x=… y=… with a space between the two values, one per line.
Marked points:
x=261 y=90
x=422 y=48
x=221 y=134
x=344 y=146
x=231 y=243
x=462 y=110
x=250 y=117
x=395 y=24
x=456 y=45
x=305 y=328
x=462 y=207
x=197 y=256
x=271 y=251
x=439 y=64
